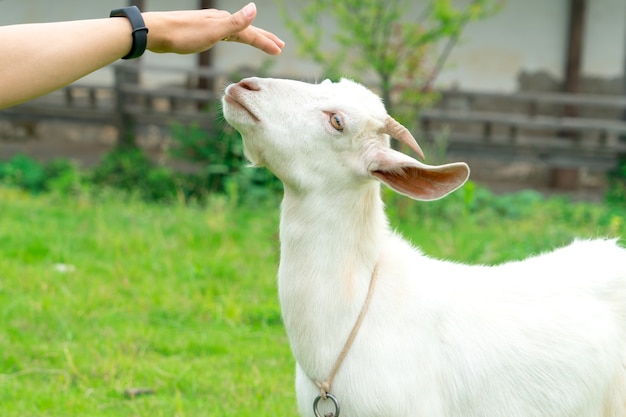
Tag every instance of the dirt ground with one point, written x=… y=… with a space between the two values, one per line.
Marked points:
x=85 y=144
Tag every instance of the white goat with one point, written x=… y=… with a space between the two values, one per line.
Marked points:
x=540 y=337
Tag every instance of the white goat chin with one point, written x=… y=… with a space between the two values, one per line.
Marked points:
x=545 y=336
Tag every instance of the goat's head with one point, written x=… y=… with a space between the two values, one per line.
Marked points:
x=322 y=135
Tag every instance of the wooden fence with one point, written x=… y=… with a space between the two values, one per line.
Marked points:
x=557 y=129
x=126 y=104
x=560 y=130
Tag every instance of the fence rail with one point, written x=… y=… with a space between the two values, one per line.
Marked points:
x=557 y=129
x=560 y=130
x=126 y=104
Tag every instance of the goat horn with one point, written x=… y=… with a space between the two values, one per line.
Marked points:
x=394 y=129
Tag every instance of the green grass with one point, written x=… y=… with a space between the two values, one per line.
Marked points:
x=99 y=295
x=180 y=300
x=474 y=226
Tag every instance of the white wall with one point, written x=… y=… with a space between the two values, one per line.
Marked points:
x=229 y=56
x=531 y=35
x=524 y=35
x=527 y=35
x=605 y=39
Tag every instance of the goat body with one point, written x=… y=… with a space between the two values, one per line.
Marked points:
x=540 y=337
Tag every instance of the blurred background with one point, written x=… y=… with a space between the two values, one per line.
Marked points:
x=138 y=252
x=529 y=92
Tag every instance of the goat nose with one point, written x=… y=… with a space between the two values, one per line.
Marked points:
x=251 y=84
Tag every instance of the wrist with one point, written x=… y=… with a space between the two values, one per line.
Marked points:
x=161 y=27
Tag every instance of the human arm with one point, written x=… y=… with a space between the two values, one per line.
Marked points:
x=36 y=59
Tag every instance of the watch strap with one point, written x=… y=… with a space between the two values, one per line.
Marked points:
x=140 y=31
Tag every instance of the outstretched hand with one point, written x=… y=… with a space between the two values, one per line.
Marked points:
x=195 y=31
x=76 y=48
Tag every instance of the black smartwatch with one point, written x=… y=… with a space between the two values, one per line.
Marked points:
x=140 y=31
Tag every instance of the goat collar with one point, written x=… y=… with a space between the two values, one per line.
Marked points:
x=325 y=385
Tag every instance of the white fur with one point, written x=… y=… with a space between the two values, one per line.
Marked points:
x=540 y=337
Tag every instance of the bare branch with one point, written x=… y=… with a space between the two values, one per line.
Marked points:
x=445 y=53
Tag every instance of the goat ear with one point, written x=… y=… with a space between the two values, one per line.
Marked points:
x=415 y=179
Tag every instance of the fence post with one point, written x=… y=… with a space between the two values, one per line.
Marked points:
x=126 y=125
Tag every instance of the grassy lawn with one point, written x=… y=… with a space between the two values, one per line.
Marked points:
x=102 y=295
x=97 y=297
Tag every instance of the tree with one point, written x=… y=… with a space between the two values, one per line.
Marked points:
x=384 y=39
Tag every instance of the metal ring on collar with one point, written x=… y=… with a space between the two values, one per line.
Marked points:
x=328 y=397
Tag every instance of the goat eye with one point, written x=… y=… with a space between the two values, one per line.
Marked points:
x=337 y=122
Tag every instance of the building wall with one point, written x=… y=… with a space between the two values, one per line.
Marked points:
x=527 y=37
x=605 y=39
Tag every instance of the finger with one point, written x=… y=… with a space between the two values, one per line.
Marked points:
x=227 y=26
x=260 y=39
x=242 y=19
x=240 y=30
x=279 y=42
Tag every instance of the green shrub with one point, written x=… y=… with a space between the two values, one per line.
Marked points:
x=24 y=172
x=224 y=169
x=132 y=171
x=253 y=186
x=64 y=177
x=616 y=193
x=60 y=175
x=220 y=152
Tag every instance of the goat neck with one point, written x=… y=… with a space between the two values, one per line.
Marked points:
x=330 y=243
